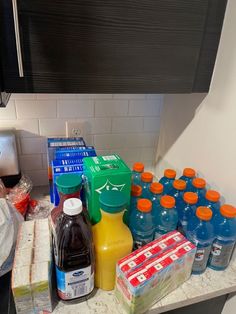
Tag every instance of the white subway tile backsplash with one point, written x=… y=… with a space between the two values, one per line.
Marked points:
x=52 y=127
x=126 y=125
x=36 y=145
x=75 y=108
x=110 y=108
x=109 y=141
x=129 y=96
x=152 y=124
x=31 y=162
x=23 y=96
x=9 y=112
x=36 y=109
x=38 y=177
x=94 y=96
x=25 y=128
x=144 y=108
x=56 y=96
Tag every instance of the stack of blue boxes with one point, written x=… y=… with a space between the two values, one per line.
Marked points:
x=65 y=155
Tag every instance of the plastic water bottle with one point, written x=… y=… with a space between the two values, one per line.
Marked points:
x=156 y=190
x=212 y=200
x=187 y=212
x=199 y=187
x=138 y=168
x=141 y=223
x=201 y=233
x=136 y=193
x=188 y=175
x=168 y=216
x=168 y=179
x=225 y=230
x=177 y=192
x=146 y=180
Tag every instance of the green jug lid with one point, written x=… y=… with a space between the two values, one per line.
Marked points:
x=113 y=201
x=68 y=183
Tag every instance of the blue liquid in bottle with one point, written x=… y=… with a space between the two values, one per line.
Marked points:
x=187 y=212
x=212 y=201
x=138 y=168
x=146 y=180
x=188 y=175
x=141 y=223
x=225 y=231
x=199 y=187
x=177 y=192
x=167 y=180
x=201 y=233
x=168 y=216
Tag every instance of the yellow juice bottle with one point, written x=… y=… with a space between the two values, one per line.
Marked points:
x=112 y=238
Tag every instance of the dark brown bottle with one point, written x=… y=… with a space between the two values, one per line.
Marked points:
x=74 y=253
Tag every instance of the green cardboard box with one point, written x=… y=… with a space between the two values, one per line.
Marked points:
x=104 y=173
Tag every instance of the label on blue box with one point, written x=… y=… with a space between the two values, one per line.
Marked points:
x=75 y=154
x=59 y=170
x=64 y=142
x=66 y=162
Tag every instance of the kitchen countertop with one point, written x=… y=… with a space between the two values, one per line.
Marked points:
x=198 y=288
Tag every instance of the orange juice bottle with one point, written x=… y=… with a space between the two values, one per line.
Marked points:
x=112 y=238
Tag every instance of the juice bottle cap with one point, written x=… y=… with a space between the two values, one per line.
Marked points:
x=144 y=205
x=72 y=206
x=212 y=196
x=189 y=172
x=170 y=173
x=228 y=211
x=69 y=183
x=136 y=190
x=199 y=183
x=204 y=213
x=167 y=201
x=138 y=166
x=190 y=198
x=156 y=188
x=147 y=177
x=179 y=185
x=113 y=201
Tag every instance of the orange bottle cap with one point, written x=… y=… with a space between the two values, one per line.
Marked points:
x=136 y=190
x=156 y=188
x=190 y=197
x=199 y=183
x=170 y=173
x=144 y=205
x=138 y=166
x=189 y=172
x=212 y=196
x=228 y=211
x=167 y=201
x=147 y=177
x=179 y=185
x=204 y=213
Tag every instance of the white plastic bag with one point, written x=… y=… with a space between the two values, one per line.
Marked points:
x=10 y=221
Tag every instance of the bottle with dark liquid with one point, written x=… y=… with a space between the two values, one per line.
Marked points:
x=74 y=253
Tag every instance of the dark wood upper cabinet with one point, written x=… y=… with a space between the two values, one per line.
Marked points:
x=111 y=46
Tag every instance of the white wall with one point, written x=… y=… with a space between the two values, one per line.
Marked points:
x=201 y=132
x=125 y=124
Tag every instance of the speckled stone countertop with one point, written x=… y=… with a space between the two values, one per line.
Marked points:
x=198 y=288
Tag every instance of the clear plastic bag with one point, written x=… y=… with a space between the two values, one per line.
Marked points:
x=19 y=196
x=10 y=221
x=38 y=209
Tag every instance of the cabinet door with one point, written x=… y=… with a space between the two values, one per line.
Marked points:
x=105 y=46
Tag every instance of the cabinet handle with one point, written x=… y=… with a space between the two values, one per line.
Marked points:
x=17 y=35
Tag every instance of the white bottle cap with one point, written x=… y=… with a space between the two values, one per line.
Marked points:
x=72 y=206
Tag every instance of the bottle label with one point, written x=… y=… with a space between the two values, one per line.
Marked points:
x=74 y=284
x=221 y=254
x=201 y=258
